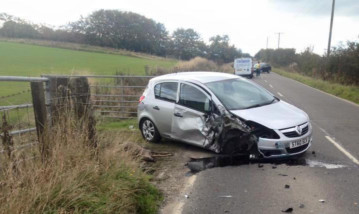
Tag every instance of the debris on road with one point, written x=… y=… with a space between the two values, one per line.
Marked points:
x=287 y=186
x=200 y=164
x=225 y=196
x=289 y=210
x=161 y=154
x=294 y=178
x=282 y=174
x=274 y=167
x=313 y=163
x=301 y=206
x=186 y=196
x=321 y=200
x=260 y=165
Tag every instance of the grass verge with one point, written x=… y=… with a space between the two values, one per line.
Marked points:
x=350 y=93
x=77 y=178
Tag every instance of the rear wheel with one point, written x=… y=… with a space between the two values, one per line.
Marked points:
x=149 y=131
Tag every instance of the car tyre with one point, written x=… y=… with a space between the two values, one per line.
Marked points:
x=149 y=131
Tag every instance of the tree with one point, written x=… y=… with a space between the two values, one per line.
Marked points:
x=127 y=30
x=220 y=50
x=19 y=30
x=187 y=44
x=279 y=57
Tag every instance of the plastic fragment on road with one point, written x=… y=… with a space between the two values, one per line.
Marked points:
x=321 y=200
x=289 y=210
x=186 y=196
x=287 y=186
x=225 y=196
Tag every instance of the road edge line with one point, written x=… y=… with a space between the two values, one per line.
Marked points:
x=344 y=151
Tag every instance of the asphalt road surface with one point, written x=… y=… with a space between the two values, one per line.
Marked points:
x=328 y=184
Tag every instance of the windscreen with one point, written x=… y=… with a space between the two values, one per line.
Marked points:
x=238 y=94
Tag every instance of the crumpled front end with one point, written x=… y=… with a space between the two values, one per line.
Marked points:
x=226 y=133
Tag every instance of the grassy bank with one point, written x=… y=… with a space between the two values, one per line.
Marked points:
x=346 y=92
x=77 y=178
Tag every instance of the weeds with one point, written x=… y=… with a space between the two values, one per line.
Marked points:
x=77 y=178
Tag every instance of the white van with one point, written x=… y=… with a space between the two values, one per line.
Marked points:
x=243 y=67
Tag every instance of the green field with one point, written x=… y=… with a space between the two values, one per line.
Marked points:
x=30 y=60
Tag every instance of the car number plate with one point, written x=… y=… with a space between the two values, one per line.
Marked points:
x=298 y=143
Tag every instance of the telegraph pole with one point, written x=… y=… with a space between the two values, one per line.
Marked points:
x=331 y=27
x=267 y=43
x=279 y=33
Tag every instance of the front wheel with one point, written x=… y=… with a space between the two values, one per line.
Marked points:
x=149 y=131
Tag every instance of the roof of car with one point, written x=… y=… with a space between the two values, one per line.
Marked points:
x=200 y=76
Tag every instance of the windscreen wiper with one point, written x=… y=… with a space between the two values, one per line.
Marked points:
x=259 y=105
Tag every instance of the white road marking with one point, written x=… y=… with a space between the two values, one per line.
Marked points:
x=177 y=207
x=270 y=86
x=351 y=157
x=280 y=94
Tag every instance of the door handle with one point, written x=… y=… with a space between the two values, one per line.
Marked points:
x=156 y=107
x=178 y=114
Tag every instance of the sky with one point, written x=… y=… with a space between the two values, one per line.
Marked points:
x=248 y=23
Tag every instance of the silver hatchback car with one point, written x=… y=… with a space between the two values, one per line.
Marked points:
x=223 y=113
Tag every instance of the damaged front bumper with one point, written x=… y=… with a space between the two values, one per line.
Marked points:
x=277 y=148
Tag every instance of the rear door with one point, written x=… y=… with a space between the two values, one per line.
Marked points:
x=188 y=116
x=163 y=106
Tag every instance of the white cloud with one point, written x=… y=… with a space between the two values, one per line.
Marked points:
x=248 y=23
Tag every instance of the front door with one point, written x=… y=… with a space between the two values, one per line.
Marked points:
x=188 y=118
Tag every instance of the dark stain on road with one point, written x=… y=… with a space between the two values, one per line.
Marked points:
x=200 y=164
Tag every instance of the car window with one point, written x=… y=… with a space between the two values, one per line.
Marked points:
x=236 y=94
x=166 y=91
x=193 y=98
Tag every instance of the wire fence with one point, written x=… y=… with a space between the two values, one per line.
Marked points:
x=112 y=97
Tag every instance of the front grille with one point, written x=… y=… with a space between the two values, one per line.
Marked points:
x=297 y=149
x=295 y=134
x=268 y=153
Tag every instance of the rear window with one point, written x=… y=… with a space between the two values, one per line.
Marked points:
x=166 y=91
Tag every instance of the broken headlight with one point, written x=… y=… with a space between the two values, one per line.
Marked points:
x=262 y=131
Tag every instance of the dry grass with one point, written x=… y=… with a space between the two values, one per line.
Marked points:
x=196 y=64
x=77 y=178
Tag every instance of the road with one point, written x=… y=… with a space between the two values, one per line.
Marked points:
x=256 y=189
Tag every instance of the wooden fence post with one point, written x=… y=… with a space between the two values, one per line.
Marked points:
x=81 y=92
x=38 y=100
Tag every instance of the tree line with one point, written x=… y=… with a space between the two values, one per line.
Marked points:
x=127 y=30
x=341 y=66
